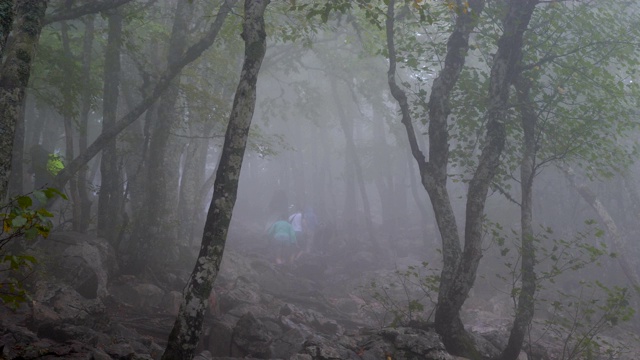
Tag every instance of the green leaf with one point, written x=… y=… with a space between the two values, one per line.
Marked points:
x=18 y=221
x=40 y=196
x=31 y=233
x=24 y=202
x=53 y=192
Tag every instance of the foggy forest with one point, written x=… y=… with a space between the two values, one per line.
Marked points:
x=320 y=180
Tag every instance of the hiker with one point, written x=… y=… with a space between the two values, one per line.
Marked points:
x=297 y=223
x=284 y=241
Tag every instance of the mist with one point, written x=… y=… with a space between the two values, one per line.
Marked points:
x=448 y=172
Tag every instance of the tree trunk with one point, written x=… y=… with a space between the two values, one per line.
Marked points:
x=81 y=224
x=110 y=184
x=162 y=168
x=353 y=164
x=508 y=55
x=69 y=129
x=433 y=173
x=185 y=335
x=14 y=78
x=384 y=177
x=193 y=177
x=460 y=267
x=16 y=179
x=526 y=306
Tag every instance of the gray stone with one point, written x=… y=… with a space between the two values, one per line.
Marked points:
x=81 y=261
x=250 y=338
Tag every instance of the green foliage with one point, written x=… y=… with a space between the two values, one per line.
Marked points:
x=22 y=219
x=582 y=61
x=405 y=296
x=579 y=315
x=580 y=319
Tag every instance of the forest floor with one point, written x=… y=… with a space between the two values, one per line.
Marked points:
x=319 y=300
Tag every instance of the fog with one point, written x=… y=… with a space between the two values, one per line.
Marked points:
x=390 y=190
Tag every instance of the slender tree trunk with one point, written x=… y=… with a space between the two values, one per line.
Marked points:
x=162 y=170
x=14 y=77
x=81 y=224
x=526 y=306
x=16 y=179
x=460 y=266
x=193 y=178
x=508 y=55
x=384 y=177
x=185 y=335
x=69 y=130
x=353 y=163
x=110 y=185
x=433 y=173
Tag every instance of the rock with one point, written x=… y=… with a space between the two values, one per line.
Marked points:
x=81 y=261
x=287 y=345
x=62 y=332
x=322 y=349
x=250 y=338
x=403 y=343
x=127 y=290
x=53 y=302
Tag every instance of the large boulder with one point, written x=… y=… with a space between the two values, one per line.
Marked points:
x=79 y=260
x=56 y=302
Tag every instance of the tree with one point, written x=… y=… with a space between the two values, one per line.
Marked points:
x=162 y=84
x=14 y=75
x=460 y=265
x=110 y=185
x=186 y=330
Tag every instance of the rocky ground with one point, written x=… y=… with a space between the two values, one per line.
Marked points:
x=316 y=309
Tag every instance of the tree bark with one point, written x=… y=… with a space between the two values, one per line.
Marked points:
x=110 y=185
x=163 y=163
x=14 y=78
x=433 y=173
x=508 y=55
x=16 y=179
x=81 y=224
x=526 y=305
x=69 y=129
x=185 y=335
x=6 y=23
x=460 y=265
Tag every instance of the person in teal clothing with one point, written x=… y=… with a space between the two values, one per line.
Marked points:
x=284 y=240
